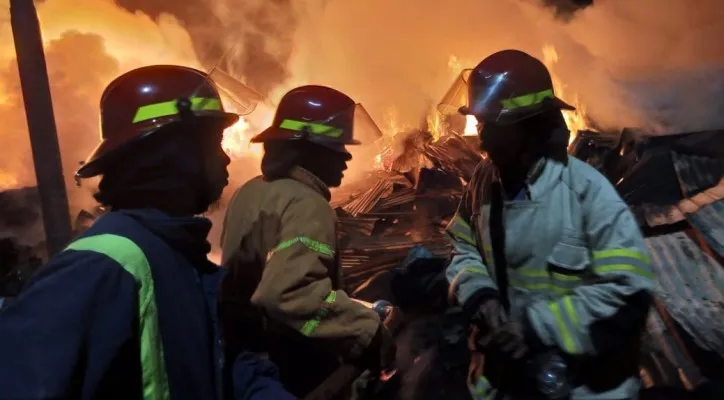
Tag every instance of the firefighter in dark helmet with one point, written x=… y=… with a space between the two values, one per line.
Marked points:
x=279 y=243
x=122 y=312
x=548 y=261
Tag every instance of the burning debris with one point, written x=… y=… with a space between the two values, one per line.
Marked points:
x=383 y=216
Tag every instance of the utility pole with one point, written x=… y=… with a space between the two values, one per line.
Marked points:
x=41 y=124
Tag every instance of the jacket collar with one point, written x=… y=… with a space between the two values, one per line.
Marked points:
x=300 y=174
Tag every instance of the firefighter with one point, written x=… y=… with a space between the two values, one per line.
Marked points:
x=548 y=261
x=279 y=243
x=122 y=312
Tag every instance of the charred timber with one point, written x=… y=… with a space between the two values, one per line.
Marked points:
x=41 y=124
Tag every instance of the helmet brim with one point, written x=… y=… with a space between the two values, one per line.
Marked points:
x=555 y=103
x=95 y=165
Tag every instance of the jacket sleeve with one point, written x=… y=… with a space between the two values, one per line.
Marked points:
x=598 y=316
x=296 y=288
x=467 y=274
x=75 y=321
x=257 y=379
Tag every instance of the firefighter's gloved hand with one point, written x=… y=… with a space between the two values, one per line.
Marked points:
x=380 y=353
x=489 y=316
x=508 y=340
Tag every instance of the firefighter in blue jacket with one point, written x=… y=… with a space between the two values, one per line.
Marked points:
x=124 y=311
x=548 y=260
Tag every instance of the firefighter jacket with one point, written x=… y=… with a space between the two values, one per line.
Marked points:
x=300 y=282
x=122 y=313
x=579 y=276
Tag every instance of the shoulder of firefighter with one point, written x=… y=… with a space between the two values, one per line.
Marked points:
x=300 y=285
x=72 y=319
x=586 y=264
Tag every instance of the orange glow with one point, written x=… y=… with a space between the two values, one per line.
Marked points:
x=575 y=120
x=471 y=126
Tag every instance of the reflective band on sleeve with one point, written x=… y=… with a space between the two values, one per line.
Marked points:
x=134 y=261
x=167 y=108
x=622 y=261
x=526 y=100
x=482 y=390
x=569 y=343
x=310 y=326
x=314 y=129
x=460 y=230
x=311 y=244
x=474 y=270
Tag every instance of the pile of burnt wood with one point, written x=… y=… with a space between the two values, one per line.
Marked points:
x=409 y=203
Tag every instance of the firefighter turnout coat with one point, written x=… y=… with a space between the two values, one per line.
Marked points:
x=577 y=264
x=300 y=282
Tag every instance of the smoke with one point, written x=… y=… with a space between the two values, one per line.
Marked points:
x=565 y=9
x=630 y=63
x=251 y=39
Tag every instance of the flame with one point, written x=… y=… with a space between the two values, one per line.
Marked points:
x=471 y=126
x=237 y=138
x=132 y=40
x=576 y=120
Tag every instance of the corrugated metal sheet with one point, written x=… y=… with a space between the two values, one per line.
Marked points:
x=691 y=285
x=702 y=179
x=697 y=173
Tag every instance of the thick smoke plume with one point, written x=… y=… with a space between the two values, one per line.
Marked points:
x=630 y=63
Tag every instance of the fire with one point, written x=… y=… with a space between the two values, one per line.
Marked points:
x=575 y=120
x=236 y=142
x=471 y=126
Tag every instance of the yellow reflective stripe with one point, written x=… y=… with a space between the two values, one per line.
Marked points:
x=460 y=229
x=604 y=269
x=610 y=253
x=131 y=257
x=310 y=326
x=526 y=100
x=569 y=344
x=571 y=310
x=541 y=287
x=482 y=390
x=545 y=274
x=311 y=244
x=167 y=108
x=622 y=260
x=475 y=270
x=314 y=129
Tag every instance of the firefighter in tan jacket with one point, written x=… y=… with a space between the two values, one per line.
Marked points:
x=284 y=294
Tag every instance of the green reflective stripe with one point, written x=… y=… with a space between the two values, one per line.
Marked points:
x=541 y=287
x=618 y=268
x=475 y=270
x=544 y=281
x=314 y=129
x=460 y=230
x=571 y=311
x=610 y=253
x=622 y=261
x=310 y=326
x=167 y=108
x=526 y=100
x=311 y=244
x=482 y=390
x=131 y=258
x=569 y=344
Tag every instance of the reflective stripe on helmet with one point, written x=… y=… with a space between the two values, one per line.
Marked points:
x=314 y=129
x=167 y=108
x=526 y=100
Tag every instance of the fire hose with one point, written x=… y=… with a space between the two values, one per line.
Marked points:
x=344 y=376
